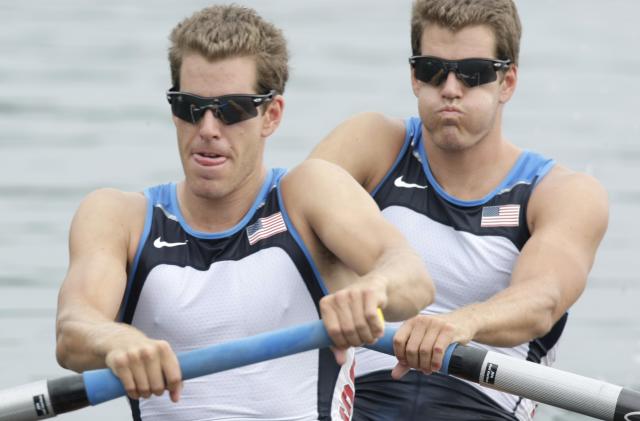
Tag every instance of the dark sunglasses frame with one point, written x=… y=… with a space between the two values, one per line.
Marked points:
x=229 y=109
x=470 y=71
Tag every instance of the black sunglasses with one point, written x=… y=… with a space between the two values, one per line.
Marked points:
x=229 y=109
x=470 y=71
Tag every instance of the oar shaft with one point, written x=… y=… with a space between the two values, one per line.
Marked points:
x=102 y=385
x=543 y=384
x=44 y=399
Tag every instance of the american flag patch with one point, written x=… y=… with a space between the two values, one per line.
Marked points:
x=500 y=216
x=265 y=227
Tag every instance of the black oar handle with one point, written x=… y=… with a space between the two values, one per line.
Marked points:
x=43 y=399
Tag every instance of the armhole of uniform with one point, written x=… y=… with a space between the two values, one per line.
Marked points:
x=408 y=137
x=539 y=175
x=298 y=239
x=134 y=267
x=544 y=170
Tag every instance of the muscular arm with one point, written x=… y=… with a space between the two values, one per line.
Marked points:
x=366 y=145
x=377 y=265
x=89 y=299
x=568 y=218
x=568 y=215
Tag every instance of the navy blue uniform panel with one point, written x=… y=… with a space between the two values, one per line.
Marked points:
x=420 y=397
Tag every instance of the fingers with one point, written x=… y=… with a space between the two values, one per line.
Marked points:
x=423 y=350
x=442 y=342
x=401 y=338
x=421 y=342
x=351 y=317
x=172 y=372
x=118 y=363
x=150 y=367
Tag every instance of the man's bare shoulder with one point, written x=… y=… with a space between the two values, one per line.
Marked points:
x=115 y=201
x=569 y=193
x=313 y=174
x=366 y=145
x=376 y=125
x=562 y=180
x=316 y=185
x=109 y=209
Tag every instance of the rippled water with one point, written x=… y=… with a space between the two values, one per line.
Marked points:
x=82 y=106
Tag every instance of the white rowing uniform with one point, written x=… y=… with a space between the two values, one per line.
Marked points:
x=469 y=247
x=196 y=289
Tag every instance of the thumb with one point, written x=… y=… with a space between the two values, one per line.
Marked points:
x=340 y=355
x=399 y=371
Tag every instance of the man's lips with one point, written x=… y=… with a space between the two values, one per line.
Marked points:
x=449 y=110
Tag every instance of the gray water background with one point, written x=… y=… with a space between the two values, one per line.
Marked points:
x=82 y=106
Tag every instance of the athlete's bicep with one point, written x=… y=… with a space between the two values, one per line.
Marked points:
x=99 y=243
x=569 y=219
x=342 y=215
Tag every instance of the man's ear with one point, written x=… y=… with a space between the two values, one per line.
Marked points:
x=415 y=83
x=272 y=115
x=508 y=84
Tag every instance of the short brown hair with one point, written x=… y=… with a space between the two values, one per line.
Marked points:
x=220 y=32
x=500 y=15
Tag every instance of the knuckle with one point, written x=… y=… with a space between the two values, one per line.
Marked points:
x=448 y=328
x=147 y=353
x=362 y=326
x=173 y=382
x=133 y=356
x=163 y=346
x=398 y=342
x=411 y=353
x=350 y=330
x=344 y=297
x=120 y=361
x=325 y=303
x=371 y=316
x=425 y=352
x=334 y=331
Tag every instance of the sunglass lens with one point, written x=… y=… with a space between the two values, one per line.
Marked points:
x=181 y=108
x=430 y=71
x=475 y=72
x=236 y=109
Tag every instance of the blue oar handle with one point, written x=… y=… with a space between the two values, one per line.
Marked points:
x=102 y=385
x=543 y=384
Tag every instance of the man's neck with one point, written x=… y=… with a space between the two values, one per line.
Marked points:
x=217 y=214
x=472 y=173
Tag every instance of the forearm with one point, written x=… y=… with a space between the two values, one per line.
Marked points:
x=407 y=283
x=511 y=317
x=84 y=337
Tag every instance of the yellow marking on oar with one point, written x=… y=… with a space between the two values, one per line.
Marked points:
x=380 y=315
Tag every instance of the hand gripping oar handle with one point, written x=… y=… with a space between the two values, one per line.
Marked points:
x=46 y=399
x=583 y=395
x=540 y=383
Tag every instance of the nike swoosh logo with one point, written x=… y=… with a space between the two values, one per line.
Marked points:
x=399 y=183
x=158 y=243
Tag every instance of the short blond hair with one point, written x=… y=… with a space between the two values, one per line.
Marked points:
x=500 y=15
x=220 y=32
